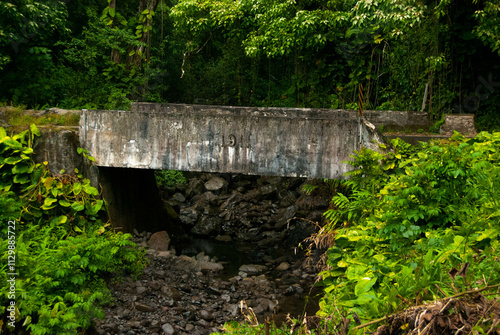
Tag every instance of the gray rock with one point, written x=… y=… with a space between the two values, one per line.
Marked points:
x=252 y=268
x=210 y=266
x=186 y=263
x=283 y=266
x=216 y=184
x=168 y=329
x=224 y=238
x=141 y=289
x=206 y=315
x=143 y=307
x=207 y=225
x=134 y=324
x=178 y=197
x=159 y=241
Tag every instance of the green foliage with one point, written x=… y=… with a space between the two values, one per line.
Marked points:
x=259 y=53
x=63 y=249
x=411 y=216
x=169 y=178
x=291 y=326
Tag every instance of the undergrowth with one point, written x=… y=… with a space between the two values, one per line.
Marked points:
x=64 y=248
x=414 y=225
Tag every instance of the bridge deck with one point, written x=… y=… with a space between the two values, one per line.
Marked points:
x=263 y=141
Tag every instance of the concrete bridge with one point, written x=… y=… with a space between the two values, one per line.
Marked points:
x=129 y=145
x=290 y=142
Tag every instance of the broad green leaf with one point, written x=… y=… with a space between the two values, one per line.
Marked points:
x=21 y=179
x=13 y=160
x=364 y=285
x=77 y=206
x=34 y=130
x=342 y=264
x=77 y=188
x=64 y=203
x=20 y=168
x=48 y=203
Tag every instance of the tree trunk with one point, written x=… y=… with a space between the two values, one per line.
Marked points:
x=115 y=54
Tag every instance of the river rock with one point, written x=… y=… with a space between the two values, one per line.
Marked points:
x=159 y=241
x=224 y=238
x=210 y=266
x=283 y=266
x=252 y=268
x=206 y=315
x=171 y=292
x=186 y=263
x=195 y=186
x=216 y=184
x=207 y=225
x=140 y=290
x=284 y=215
x=178 y=197
x=143 y=307
x=189 y=215
x=168 y=329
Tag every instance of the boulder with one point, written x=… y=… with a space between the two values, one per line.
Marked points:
x=159 y=241
x=208 y=225
x=216 y=184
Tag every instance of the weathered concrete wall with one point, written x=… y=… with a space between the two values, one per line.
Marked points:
x=262 y=141
x=463 y=123
x=398 y=120
x=58 y=147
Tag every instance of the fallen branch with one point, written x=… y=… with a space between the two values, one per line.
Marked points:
x=452 y=297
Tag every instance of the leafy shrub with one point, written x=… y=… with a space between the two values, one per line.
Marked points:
x=64 y=250
x=411 y=216
x=169 y=178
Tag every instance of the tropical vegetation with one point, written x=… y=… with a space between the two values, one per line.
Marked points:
x=437 y=56
x=64 y=251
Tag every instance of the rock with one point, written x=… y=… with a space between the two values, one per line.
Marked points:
x=268 y=191
x=207 y=197
x=143 y=307
x=195 y=187
x=216 y=184
x=171 y=292
x=226 y=297
x=206 y=315
x=186 y=263
x=164 y=254
x=252 y=268
x=207 y=225
x=210 y=266
x=159 y=241
x=283 y=266
x=224 y=238
x=231 y=309
x=310 y=202
x=189 y=327
x=168 y=329
x=141 y=289
x=134 y=324
x=178 y=197
x=284 y=215
x=189 y=216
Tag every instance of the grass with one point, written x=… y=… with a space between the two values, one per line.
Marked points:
x=17 y=117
